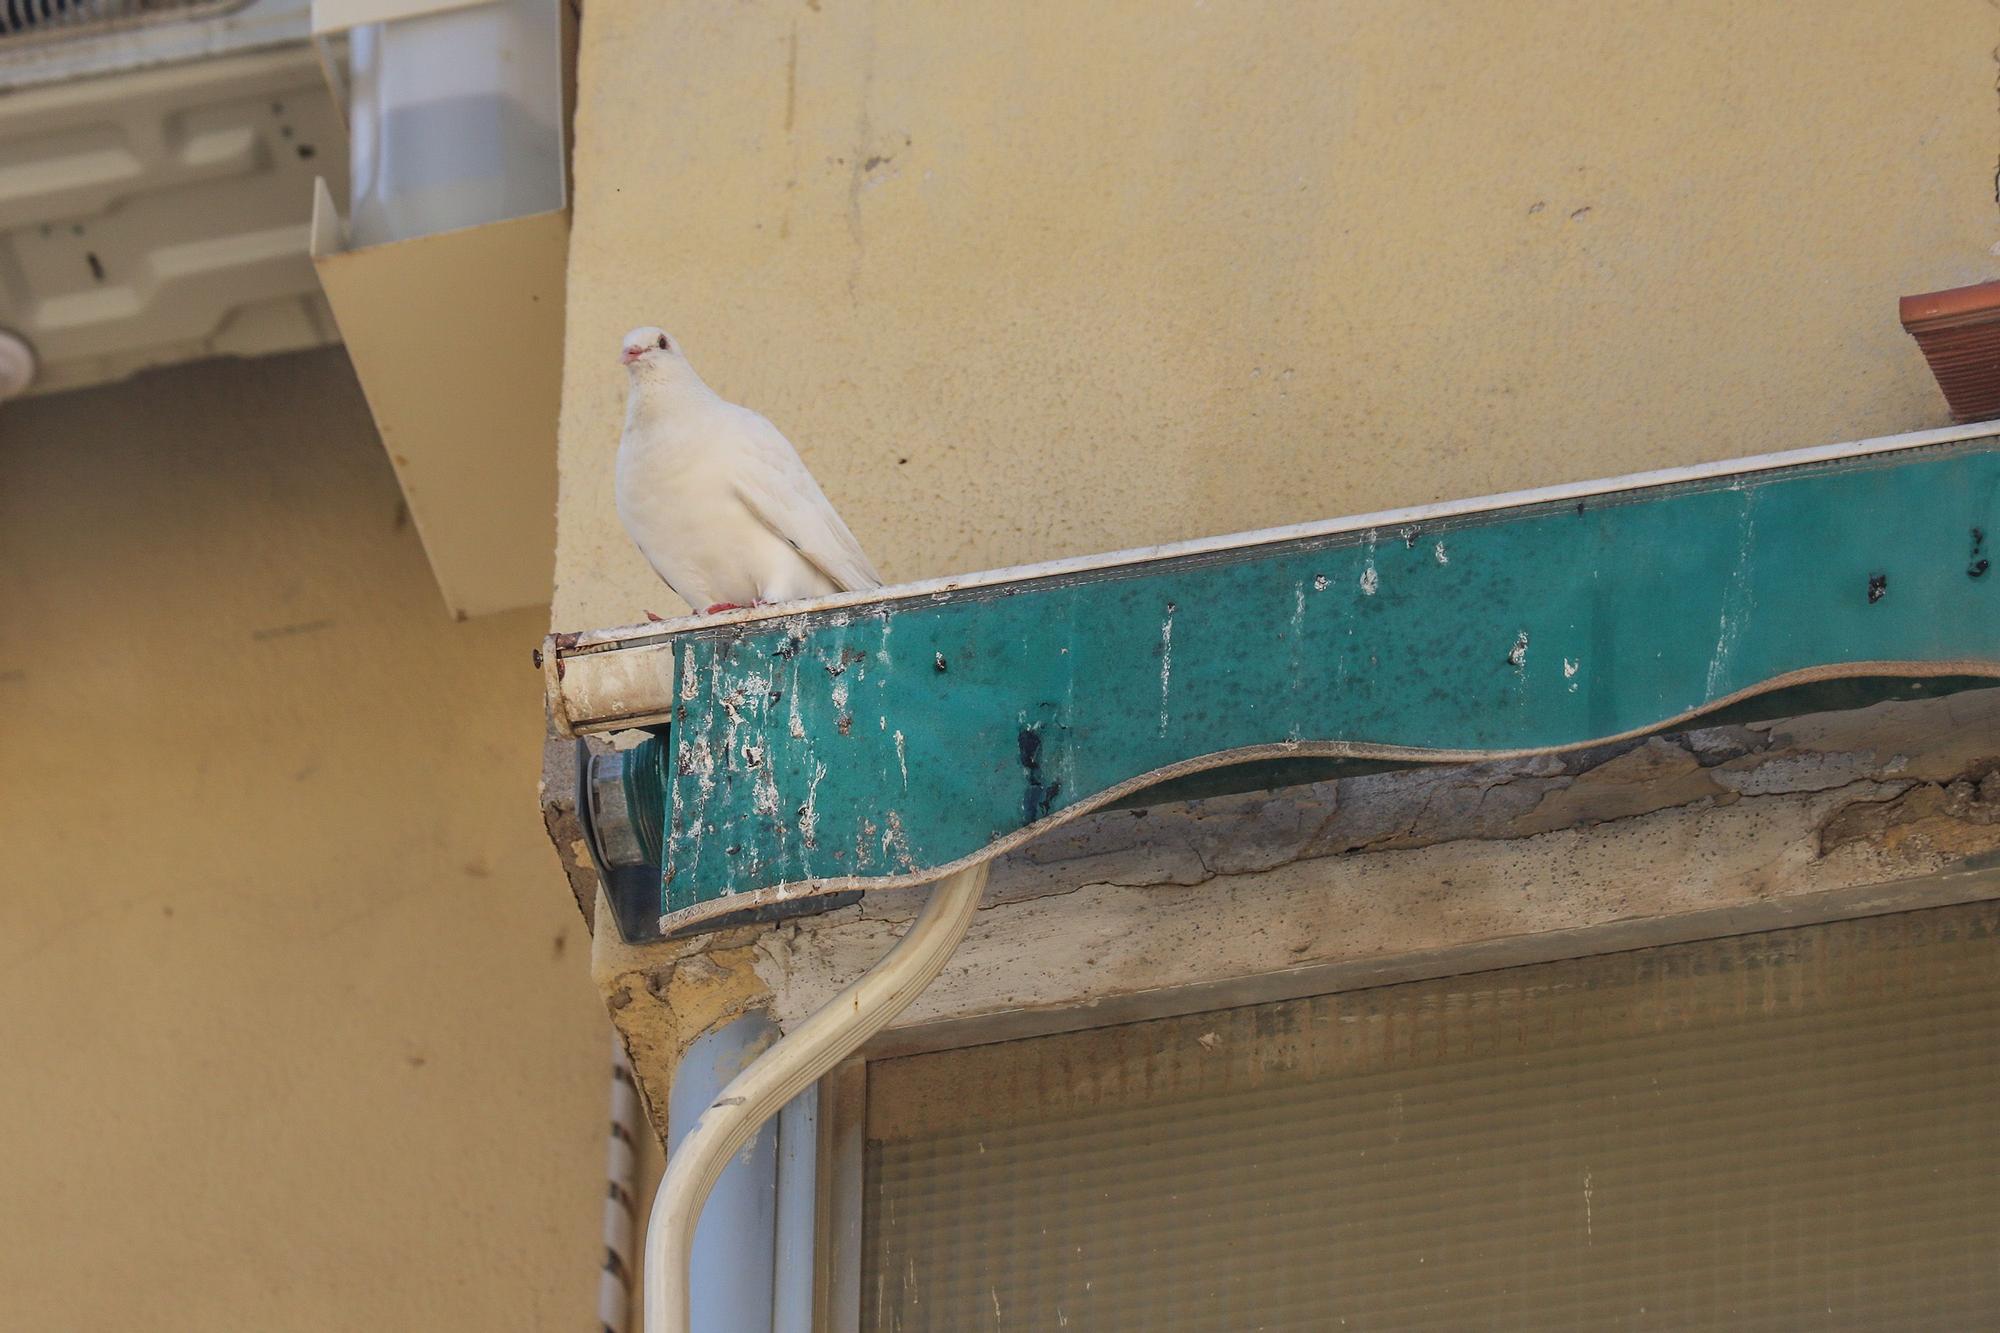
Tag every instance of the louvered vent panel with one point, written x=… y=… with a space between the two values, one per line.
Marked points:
x=30 y=20
x=1959 y=333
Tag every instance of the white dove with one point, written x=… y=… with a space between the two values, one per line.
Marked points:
x=717 y=499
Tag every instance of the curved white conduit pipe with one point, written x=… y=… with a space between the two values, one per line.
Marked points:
x=832 y=1033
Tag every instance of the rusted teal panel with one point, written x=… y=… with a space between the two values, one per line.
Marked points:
x=880 y=744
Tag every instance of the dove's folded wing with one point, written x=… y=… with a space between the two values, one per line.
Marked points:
x=777 y=488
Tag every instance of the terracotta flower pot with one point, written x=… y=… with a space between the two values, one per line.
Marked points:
x=1959 y=334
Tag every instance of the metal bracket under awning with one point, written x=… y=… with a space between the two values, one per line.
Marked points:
x=885 y=739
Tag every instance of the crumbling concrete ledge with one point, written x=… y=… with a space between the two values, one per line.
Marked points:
x=1127 y=915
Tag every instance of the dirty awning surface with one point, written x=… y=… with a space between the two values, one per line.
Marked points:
x=878 y=740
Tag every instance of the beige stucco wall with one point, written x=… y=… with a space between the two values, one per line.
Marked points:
x=299 y=1032
x=1113 y=273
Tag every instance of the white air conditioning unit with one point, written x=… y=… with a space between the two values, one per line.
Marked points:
x=445 y=266
x=157 y=160
x=175 y=184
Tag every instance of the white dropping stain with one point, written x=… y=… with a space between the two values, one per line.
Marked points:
x=1208 y=1041
x=1587 y=1234
x=1737 y=604
x=1518 y=655
x=1370 y=580
x=1437 y=552
x=1718 y=661
x=764 y=793
x=753 y=694
x=1166 y=663
x=840 y=696
x=795 y=725
x=809 y=812
x=690 y=682
x=1569 y=668
x=699 y=759
x=1319 y=583
x=994 y=1292
x=896 y=843
x=902 y=761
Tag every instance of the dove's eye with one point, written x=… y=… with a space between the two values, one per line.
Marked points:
x=663 y=342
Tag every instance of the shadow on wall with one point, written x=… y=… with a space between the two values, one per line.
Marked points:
x=277 y=926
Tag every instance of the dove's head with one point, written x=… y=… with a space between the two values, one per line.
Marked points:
x=650 y=355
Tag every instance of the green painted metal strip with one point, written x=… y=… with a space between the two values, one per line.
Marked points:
x=880 y=744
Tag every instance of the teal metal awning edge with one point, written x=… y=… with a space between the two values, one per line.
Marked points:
x=600 y=680
x=1422 y=636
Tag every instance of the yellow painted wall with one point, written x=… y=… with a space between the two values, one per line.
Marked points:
x=298 y=1031
x=1112 y=273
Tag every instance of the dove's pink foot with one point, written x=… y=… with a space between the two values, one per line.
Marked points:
x=721 y=606
x=655 y=619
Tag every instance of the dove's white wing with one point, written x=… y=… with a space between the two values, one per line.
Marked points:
x=776 y=488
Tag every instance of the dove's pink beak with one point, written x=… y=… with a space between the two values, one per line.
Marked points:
x=631 y=354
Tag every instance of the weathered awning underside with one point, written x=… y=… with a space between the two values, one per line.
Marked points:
x=877 y=740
